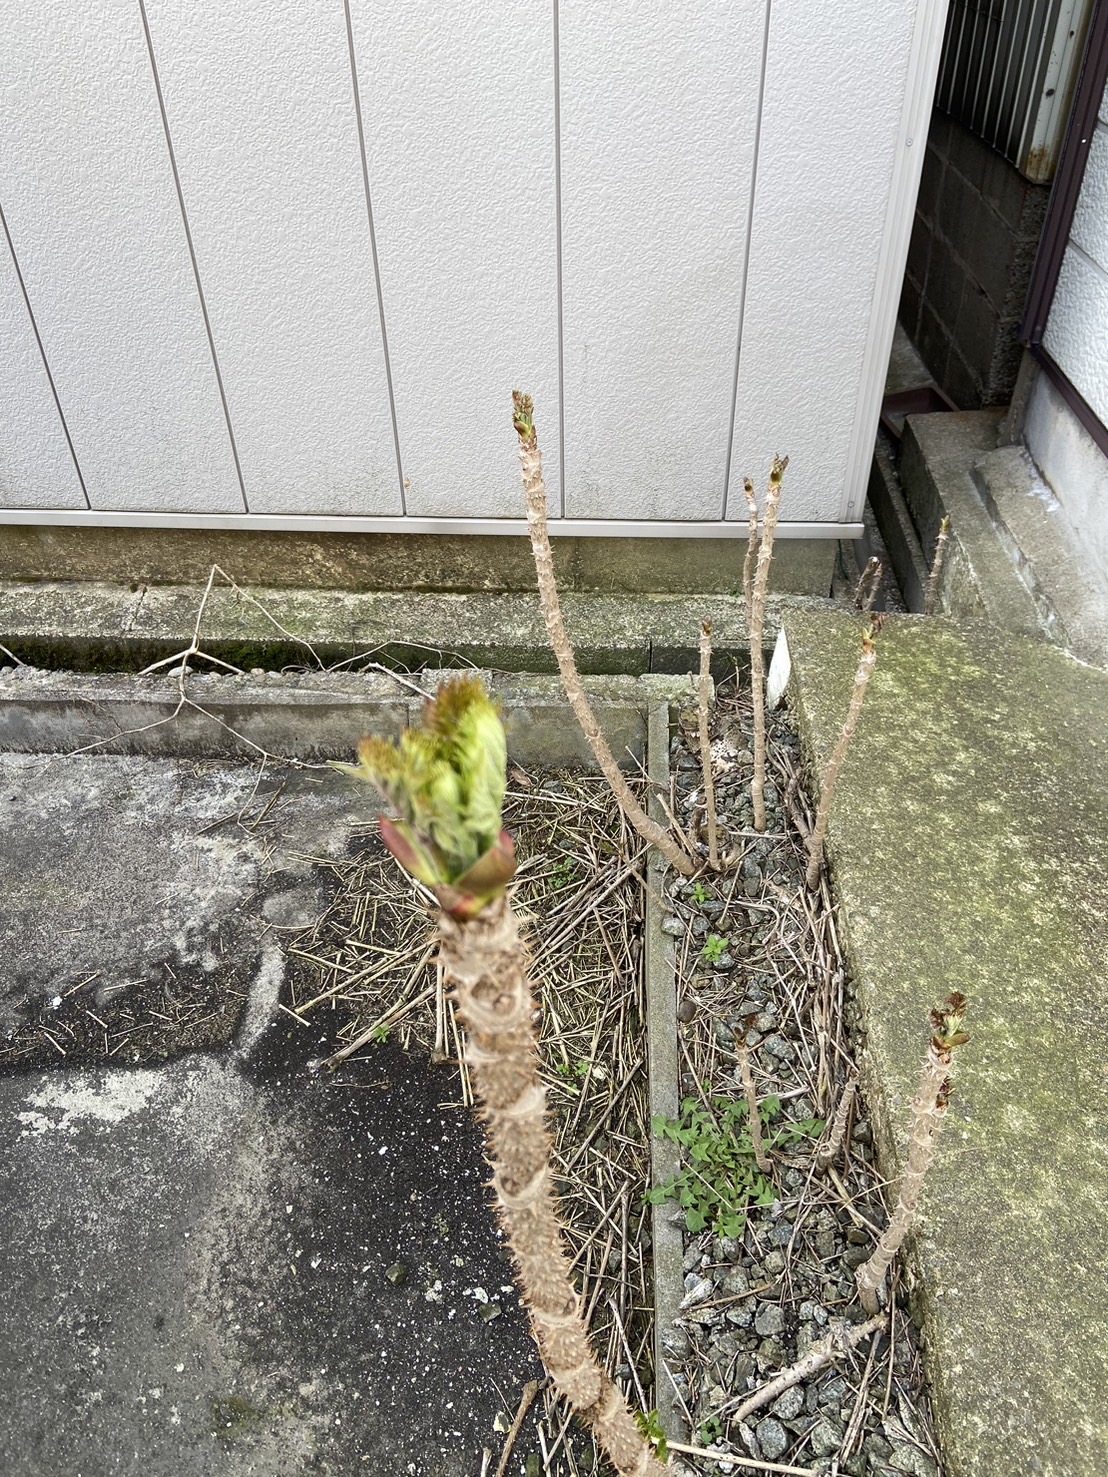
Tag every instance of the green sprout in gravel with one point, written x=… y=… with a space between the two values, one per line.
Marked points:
x=714 y=948
x=721 y=1178
x=563 y=873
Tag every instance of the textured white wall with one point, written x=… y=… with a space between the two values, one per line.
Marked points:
x=260 y=105
x=825 y=170
x=36 y=468
x=90 y=203
x=659 y=113
x=458 y=106
x=1077 y=330
x=289 y=257
x=1075 y=467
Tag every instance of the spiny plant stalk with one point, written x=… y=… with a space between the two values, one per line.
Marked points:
x=827 y=1151
x=866 y=665
x=936 y=568
x=757 y=624
x=446 y=782
x=753 y=539
x=705 y=741
x=874 y=589
x=928 y=1114
x=530 y=457
x=865 y=591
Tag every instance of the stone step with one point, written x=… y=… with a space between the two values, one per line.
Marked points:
x=979 y=578
x=1031 y=525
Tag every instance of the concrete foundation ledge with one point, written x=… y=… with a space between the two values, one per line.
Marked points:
x=400 y=561
x=969 y=849
x=106 y=627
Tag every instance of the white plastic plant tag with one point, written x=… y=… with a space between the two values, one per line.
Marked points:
x=780 y=669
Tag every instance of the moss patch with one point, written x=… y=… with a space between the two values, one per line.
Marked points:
x=969 y=844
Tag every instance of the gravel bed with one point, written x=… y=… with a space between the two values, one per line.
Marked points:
x=758 y=961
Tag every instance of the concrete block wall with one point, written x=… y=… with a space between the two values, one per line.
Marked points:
x=976 y=230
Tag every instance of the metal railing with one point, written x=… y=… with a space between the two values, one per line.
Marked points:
x=1008 y=71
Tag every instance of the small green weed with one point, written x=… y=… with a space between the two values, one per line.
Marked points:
x=700 y=894
x=563 y=873
x=380 y=1035
x=651 y=1427
x=721 y=1179
x=714 y=948
x=574 y=1073
x=711 y=1431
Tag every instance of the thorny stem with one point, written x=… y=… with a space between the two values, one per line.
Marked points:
x=761 y=1158
x=828 y=1150
x=483 y=957
x=446 y=780
x=757 y=623
x=705 y=741
x=753 y=539
x=835 y=763
x=535 y=487
x=936 y=568
x=928 y=1114
x=865 y=591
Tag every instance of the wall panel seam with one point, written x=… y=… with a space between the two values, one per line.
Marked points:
x=192 y=252
x=746 y=258
x=558 y=261
x=42 y=355
x=373 y=250
x=1090 y=261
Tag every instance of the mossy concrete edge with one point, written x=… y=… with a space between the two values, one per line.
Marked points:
x=105 y=627
x=969 y=850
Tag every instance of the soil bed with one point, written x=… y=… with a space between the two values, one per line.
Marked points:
x=758 y=959
x=365 y=972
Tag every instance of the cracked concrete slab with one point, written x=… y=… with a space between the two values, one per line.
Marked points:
x=195 y=1253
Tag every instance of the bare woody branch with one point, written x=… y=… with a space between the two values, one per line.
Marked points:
x=535 y=487
x=838 y=754
x=936 y=568
x=705 y=741
x=757 y=627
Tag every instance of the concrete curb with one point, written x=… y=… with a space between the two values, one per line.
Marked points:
x=661 y=1045
x=304 y=718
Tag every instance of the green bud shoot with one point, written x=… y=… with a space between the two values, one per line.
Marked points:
x=446 y=783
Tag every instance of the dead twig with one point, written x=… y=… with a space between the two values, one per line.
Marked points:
x=526 y=1400
x=839 y=1341
x=757 y=653
x=827 y=1150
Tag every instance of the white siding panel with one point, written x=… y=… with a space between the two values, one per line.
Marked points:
x=458 y=107
x=1075 y=334
x=659 y=107
x=260 y=103
x=1090 y=221
x=835 y=81
x=36 y=468
x=95 y=224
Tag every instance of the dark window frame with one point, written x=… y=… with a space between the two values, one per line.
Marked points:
x=1059 y=219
